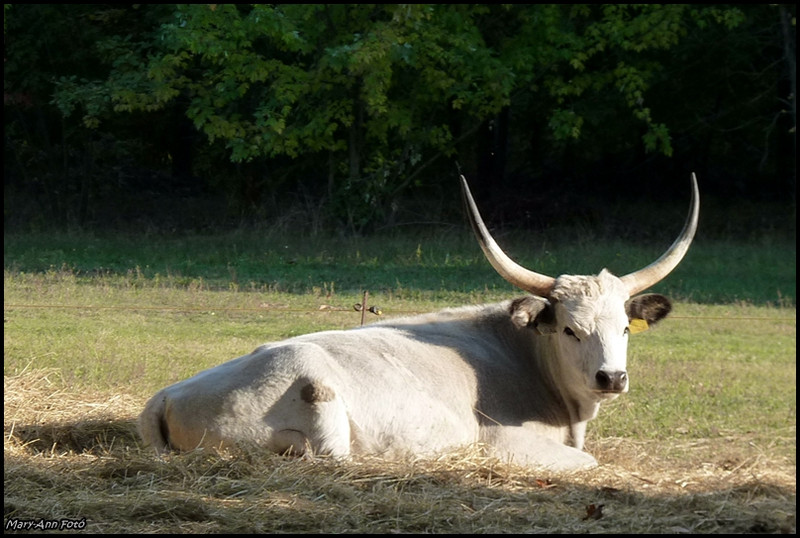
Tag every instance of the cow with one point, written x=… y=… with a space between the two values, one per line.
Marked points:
x=520 y=378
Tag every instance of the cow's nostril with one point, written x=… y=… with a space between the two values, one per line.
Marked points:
x=603 y=381
x=611 y=381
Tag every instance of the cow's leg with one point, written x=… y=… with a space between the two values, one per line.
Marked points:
x=523 y=446
x=329 y=431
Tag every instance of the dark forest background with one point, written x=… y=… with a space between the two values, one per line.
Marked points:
x=355 y=118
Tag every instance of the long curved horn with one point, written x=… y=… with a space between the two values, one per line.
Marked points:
x=511 y=271
x=653 y=273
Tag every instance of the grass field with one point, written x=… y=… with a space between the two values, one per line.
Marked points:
x=705 y=442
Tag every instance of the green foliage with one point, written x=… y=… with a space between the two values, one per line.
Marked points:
x=356 y=108
x=250 y=72
x=373 y=93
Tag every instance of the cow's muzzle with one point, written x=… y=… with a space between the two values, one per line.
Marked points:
x=611 y=381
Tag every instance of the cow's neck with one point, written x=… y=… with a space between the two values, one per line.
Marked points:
x=581 y=407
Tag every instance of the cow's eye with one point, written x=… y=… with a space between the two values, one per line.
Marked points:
x=626 y=332
x=570 y=332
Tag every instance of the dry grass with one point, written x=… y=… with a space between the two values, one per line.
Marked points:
x=76 y=457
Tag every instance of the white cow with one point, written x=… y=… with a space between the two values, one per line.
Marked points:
x=523 y=377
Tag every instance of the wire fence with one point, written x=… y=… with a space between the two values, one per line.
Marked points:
x=357 y=308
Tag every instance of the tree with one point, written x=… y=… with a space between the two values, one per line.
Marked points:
x=358 y=104
x=376 y=92
x=56 y=169
x=366 y=89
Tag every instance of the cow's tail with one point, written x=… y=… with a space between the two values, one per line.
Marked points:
x=152 y=424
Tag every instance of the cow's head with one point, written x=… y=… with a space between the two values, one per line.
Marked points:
x=589 y=317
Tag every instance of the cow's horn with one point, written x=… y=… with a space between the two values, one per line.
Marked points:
x=653 y=273
x=514 y=273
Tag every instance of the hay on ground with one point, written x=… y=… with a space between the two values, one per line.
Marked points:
x=73 y=458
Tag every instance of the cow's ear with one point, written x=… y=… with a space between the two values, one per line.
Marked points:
x=534 y=312
x=650 y=307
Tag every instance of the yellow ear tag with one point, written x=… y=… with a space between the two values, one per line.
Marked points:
x=637 y=326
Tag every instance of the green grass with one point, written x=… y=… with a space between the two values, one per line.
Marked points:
x=705 y=441
x=138 y=313
x=759 y=270
x=710 y=371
